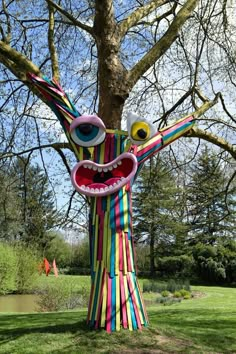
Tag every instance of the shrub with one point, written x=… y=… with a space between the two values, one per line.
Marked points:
x=155 y=287
x=184 y=292
x=177 y=294
x=165 y=293
x=62 y=296
x=187 y=296
x=167 y=300
x=7 y=269
x=27 y=268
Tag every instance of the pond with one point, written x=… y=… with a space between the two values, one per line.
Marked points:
x=18 y=303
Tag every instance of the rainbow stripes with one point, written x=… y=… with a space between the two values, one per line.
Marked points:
x=115 y=296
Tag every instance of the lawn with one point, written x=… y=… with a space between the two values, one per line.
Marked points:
x=206 y=324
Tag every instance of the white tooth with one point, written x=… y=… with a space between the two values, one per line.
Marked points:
x=110 y=187
x=106 y=188
x=87 y=188
x=92 y=190
x=89 y=167
x=102 y=190
x=95 y=168
x=99 y=169
x=85 y=166
x=119 y=162
x=105 y=169
x=110 y=168
x=115 y=165
x=114 y=184
x=122 y=178
x=82 y=187
x=96 y=190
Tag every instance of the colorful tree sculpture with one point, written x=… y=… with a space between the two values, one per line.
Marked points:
x=109 y=162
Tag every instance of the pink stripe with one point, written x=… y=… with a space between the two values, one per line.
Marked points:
x=120 y=251
x=123 y=302
x=128 y=253
x=176 y=126
x=98 y=319
x=108 y=324
x=149 y=147
x=107 y=149
x=134 y=303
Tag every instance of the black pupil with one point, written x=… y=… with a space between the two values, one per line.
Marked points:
x=142 y=133
x=86 y=128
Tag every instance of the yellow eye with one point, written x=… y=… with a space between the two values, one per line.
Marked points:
x=140 y=131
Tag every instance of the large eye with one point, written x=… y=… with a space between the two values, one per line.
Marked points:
x=88 y=131
x=140 y=130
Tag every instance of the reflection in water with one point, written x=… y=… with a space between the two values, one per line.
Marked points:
x=18 y=303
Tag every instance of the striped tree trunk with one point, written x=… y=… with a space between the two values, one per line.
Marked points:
x=115 y=297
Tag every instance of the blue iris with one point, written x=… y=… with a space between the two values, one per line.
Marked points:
x=86 y=132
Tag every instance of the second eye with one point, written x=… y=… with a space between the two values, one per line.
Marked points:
x=140 y=131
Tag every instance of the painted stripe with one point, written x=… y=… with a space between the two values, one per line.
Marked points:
x=130 y=326
x=108 y=318
x=113 y=312
x=123 y=302
x=104 y=301
x=136 y=312
x=117 y=258
x=117 y=302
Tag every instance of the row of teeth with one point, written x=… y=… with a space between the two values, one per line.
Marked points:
x=102 y=169
x=105 y=189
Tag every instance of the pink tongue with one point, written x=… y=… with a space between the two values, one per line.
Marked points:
x=110 y=182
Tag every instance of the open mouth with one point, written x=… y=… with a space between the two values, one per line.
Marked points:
x=96 y=180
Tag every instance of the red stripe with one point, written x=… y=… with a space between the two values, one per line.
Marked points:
x=120 y=251
x=123 y=302
x=128 y=253
x=108 y=318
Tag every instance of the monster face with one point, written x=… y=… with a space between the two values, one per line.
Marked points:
x=112 y=164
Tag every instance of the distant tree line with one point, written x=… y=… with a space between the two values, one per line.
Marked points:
x=185 y=220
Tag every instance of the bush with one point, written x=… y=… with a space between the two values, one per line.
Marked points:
x=177 y=294
x=62 y=296
x=167 y=300
x=152 y=286
x=184 y=292
x=165 y=293
x=27 y=268
x=8 y=266
x=187 y=296
x=171 y=286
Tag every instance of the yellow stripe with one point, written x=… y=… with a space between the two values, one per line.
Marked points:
x=104 y=303
x=149 y=142
x=95 y=243
x=66 y=102
x=127 y=304
x=99 y=291
x=117 y=254
x=102 y=154
x=119 y=132
x=126 y=212
x=118 y=146
x=117 y=303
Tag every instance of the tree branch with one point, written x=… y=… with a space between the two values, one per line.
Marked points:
x=16 y=62
x=140 y=13
x=73 y=20
x=207 y=136
x=51 y=45
x=164 y=43
x=56 y=146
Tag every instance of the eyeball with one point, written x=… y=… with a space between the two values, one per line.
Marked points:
x=88 y=131
x=139 y=129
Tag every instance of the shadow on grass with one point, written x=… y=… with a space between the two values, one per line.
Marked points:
x=211 y=328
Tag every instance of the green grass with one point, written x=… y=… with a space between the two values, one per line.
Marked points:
x=203 y=325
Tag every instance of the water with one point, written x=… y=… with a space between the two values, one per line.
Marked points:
x=18 y=303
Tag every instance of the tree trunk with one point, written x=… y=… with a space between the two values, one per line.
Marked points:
x=115 y=298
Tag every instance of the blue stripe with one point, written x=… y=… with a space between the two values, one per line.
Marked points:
x=121 y=207
x=133 y=317
x=95 y=297
x=174 y=132
x=149 y=152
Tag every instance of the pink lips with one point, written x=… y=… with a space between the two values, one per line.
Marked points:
x=97 y=180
